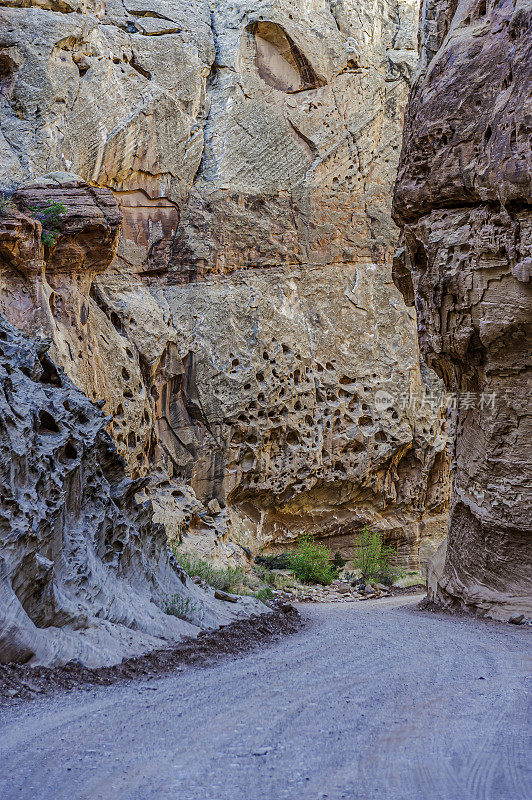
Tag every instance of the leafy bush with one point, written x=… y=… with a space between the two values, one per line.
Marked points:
x=264 y=594
x=227 y=579
x=277 y=580
x=182 y=607
x=49 y=215
x=338 y=561
x=311 y=562
x=265 y=575
x=374 y=559
x=49 y=238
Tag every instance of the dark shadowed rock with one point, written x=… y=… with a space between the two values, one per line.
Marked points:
x=463 y=197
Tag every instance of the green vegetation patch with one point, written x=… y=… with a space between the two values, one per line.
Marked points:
x=374 y=559
x=49 y=215
x=182 y=607
x=228 y=579
x=311 y=562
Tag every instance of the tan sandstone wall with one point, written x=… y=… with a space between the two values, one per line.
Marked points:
x=85 y=572
x=463 y=196
x=248 y=339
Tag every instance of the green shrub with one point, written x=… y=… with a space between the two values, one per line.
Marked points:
x=266 y=575
x=374 y=559
x=311 y=562
x=49 y=238
x=182 y=607
x=338 y=561
x=264 y=594
x=49 y=215
x=227 y=579
x=274 y=579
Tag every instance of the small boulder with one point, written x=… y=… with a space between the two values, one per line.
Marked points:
x=229 y=598
x=340 y=587
x=214 y=507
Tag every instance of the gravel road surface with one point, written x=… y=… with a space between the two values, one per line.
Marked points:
x=371 y=701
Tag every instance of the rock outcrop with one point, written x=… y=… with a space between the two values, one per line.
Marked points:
x=85 y=572
x=463 y=197
x=272 y=367
x=49 y=289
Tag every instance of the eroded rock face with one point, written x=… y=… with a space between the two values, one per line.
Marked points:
x=463 y=196
x=84 y=571
x=48 y=290
x=252 y=149
x=298 y=352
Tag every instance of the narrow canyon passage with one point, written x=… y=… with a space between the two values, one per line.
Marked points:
x=371 y=700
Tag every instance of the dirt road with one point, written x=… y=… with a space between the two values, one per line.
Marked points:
x=372 y=701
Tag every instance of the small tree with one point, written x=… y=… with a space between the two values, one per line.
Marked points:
x=374 y=559
x=311 y=562
x=49 y=214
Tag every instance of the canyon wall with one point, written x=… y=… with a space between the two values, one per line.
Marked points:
x=463 y=197
x=249 y=343
x=85 y=574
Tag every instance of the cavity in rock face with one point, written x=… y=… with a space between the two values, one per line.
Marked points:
x=247 y=338
x=463 y=197
x=84 y=571
x=301 y=405
x=279 y=62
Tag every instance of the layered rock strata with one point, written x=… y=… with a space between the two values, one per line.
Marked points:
x=463 y=197
x=49 y=289
x=85 y=572
x=252 y=148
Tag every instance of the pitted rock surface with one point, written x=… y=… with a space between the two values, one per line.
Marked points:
x=463 y=196
x=248 y=339
x=48 y=290
x=84 y=571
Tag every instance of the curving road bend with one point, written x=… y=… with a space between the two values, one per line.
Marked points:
x=372 y=701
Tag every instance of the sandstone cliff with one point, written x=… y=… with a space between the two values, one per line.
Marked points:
x=85 y=573
x=463 y=196
x=248 y=339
